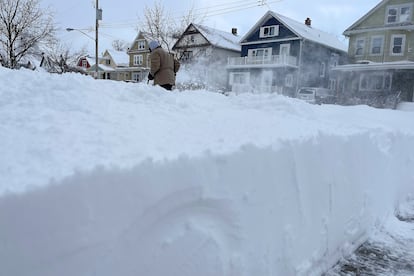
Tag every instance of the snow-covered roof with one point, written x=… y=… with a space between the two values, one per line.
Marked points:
x=102 y=67
x=220 y=39
x=120 y=58
x=303 y=31
x=377 y=66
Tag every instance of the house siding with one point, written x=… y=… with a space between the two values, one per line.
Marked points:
x=284 y=32
x=386 y=55
x=294 y=47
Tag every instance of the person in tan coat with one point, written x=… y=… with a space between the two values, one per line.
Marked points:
x=163 y=66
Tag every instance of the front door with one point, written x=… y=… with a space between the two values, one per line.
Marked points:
x=284 y=50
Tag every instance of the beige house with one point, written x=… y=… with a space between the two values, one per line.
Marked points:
x=381 y=51
x=139 y=55
x=114 y=65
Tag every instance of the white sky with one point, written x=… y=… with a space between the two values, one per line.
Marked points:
x=120 y=18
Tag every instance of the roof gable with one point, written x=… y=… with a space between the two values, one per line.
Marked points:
x=119 y=57
x=376 y=17
x=362 y=19
x=214 y=37
x=300 y=30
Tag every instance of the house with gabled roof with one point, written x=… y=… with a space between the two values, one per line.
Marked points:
x=280 y=55
x=381 y=50
x=202 y=42
x=114 y=65
x=139 y=56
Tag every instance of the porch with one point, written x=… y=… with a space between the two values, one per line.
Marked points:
x=262 y=61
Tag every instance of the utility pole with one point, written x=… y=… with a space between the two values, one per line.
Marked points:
x=98 y=17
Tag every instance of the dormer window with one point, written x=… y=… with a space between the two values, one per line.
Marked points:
x=399 y=14
x=141 y=45
x=269 y=31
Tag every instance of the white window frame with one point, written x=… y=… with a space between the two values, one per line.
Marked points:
x=360 y=43
x=269 y=31
x=322 y=69
x=332 y=84
x=284 y=46
x=399 y=16
x=392 y=44
x=371 y=51
x=138 y=59
x=141 y=44
x=267 y=52
x=136 y=76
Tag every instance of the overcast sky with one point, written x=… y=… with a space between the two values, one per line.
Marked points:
x=121 y=17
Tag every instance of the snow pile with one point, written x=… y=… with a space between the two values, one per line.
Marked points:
x=111 y=178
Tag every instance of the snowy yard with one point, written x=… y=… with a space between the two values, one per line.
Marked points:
x=111 y=178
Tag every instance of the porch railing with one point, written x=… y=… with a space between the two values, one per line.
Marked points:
x=276 y=60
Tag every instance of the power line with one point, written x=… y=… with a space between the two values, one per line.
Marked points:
x=205 y=12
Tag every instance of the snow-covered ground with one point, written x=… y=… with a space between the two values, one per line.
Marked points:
x=112 y=178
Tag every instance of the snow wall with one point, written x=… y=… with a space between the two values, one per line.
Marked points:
x=291 y=209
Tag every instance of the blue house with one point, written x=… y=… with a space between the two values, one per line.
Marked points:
x=280 y=55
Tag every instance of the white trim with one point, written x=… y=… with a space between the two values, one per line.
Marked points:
x=271 y=41
x=392 y=45
x=371 y=48
x=138 y=59
x=364 y=46
x=368 y=30
x=284 y=46
x=269 y=31
x=322 y=69
x=398 y=15
x=267 y=52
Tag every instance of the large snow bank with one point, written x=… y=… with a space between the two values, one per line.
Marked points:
x=110 y=178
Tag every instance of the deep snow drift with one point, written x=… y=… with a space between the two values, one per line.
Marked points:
x=111 y=178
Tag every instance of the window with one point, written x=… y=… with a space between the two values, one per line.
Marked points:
x=375 y=82
x=322 y=69
x=187 y=55
x=135 y=77
x=289 y=80
x=360 y=47
x=138 y=59
x=332 y=84
x=141 y=45
x=397 y=45
x=376 y=45
x=264 y=52
x=269 y=31
x=239 y=78
x=84 y=63
x=398 y=14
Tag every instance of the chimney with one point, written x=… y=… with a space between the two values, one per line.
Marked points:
x=308 y=22
x=234 y=31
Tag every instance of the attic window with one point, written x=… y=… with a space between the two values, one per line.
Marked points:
x=141 y=45
x=269 y=31
x=399 y=14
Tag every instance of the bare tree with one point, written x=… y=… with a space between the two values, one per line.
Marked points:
x=165 y=28
x=59 y=58
x=120 y=45
x=23 y=27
